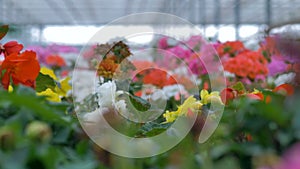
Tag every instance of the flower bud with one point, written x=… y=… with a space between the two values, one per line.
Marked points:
x=7 y=138
x=39 y=131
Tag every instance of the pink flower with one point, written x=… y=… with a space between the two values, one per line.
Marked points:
x=194 y=41
x=291 y=158
x=180 y=52
x=163 y=43
x=277 y=66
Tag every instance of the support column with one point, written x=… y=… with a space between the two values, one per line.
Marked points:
x=217 y=16
x=237 y=18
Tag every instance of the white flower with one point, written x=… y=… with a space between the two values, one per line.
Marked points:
x=120 y=106
x=228 y=74
x=172 y=90
x=107 y=95
x=285 y=78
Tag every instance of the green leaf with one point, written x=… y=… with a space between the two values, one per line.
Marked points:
x=3 y=31
x=239 y=86
x=33 y=103
x=151 y=129
x=139 y=103
x=43 y=82
x=61 y=135
x=86 y=164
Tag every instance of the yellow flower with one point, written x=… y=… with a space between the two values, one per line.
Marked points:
x=210 y=97
x=51 y=96
x=256 y=91
x=63 y=87
x=50 y=72
x=10 y=88
x=189 y=104
x=170 y=116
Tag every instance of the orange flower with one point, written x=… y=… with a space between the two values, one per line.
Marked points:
x=21 y=68
x=247 y=64
x=230 y=47
x=55 y=60
x=141 y=65
x=184 y=80
x=159 y=78
x=107 y=67
x=269 y=46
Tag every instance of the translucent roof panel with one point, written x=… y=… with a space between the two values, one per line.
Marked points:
x=99 y=12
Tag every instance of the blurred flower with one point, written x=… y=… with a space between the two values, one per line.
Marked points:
x=106 y=94
x=163 y=43
x=22 y=68
x=53 y=49
x=290 y=158
x=11 y=47
x=176 y=91
x=141 y=65
x=50 y=72
x=194 y=42
x=256 y=95
x=247 y=64
x=55 y=60
x=285 y=78
x=189 y=105
x=158 y=78
x=50 y=95
x=61 y=89
x=277 y=66
x=230 y=48
x=90 y=52
x=107 y=97
x=10 y=88
x=266 y=161
x=207 y=97
x=195 y=64
x=107 y=68
x=285 y=89
x=7 y=138
x=39 y=131
x=180 y=52
x=228 y=94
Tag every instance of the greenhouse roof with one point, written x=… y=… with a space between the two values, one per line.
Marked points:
x=99 y=12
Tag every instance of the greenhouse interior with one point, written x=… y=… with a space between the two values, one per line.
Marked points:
x=149 y=84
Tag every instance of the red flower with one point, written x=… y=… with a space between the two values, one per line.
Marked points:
x=55 y=60
x=11 y=47
x=285 y=89
x=158 y=78
x=247 y=64
x=21 y=68
x=231 y=47
x=228 y=94
x=255 y=96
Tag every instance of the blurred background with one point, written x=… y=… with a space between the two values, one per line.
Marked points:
x=46 y=134
x=74 y=22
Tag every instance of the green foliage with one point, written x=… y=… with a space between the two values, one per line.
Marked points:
x=43 y=82
x=239 y=86
x=24 y=118
x=139 y=103
x=3 y=31
x=152 y=128
x=251 y=128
